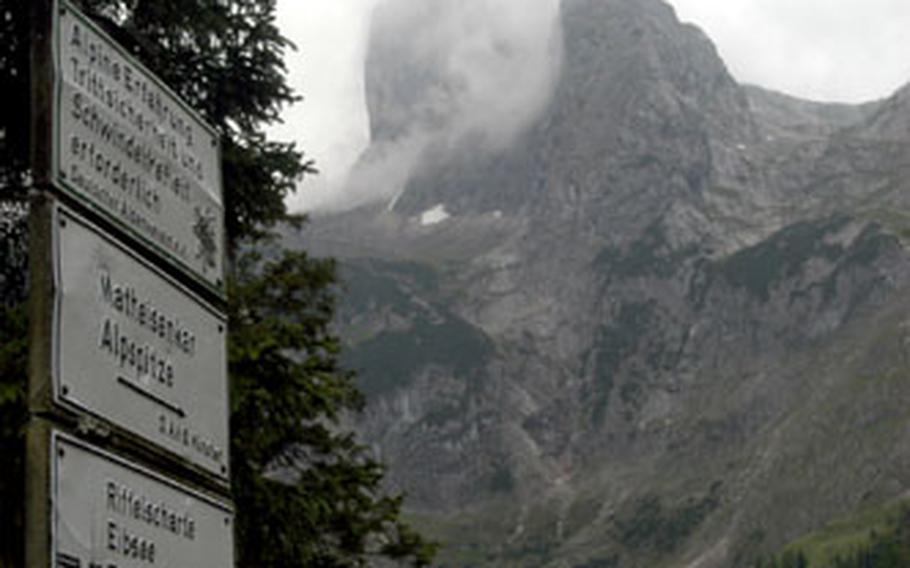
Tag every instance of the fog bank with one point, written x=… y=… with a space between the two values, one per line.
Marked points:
x=442 y=72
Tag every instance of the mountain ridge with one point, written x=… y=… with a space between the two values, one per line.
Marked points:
x=654 y=328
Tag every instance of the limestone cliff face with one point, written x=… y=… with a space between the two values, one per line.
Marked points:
x=664 y=325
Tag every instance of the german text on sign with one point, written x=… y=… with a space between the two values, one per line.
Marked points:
x=111 y=512
x=136 y=349
x=128 y=146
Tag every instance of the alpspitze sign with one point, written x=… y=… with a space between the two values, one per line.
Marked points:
x=130 y=148
x=136 y=349
x=111 y=512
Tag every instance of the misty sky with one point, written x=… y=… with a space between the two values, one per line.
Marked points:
x=834 y=50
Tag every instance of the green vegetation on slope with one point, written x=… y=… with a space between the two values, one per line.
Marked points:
x=760 y=268
x=650 y=255
x=656 y=527
x=878 y=538
x=615 y=342
x=391 y=360
x=430 y=334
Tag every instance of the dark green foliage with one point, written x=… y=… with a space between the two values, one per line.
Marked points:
x=389 y=360
x=650 y=255
x=654 y=527
x=371 y=283
x=617 y=340
x=609 y=562
x=789 y=559
x=502 y=480
x=14 y=86
x=307 y=493
x=787 y=254
x=889 y=548
x=14 y=121
x=13 y=253
x=758 y=268
x=13 y=354
x=871 y=245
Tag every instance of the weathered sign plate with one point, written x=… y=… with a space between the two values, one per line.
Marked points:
x=128 y=147
x=135 y=348
x=109 y=512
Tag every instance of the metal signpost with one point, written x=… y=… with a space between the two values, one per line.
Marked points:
x=128 y=439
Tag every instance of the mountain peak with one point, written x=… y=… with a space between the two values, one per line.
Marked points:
x=891 y=121
x=624 y=56
x=625 y=82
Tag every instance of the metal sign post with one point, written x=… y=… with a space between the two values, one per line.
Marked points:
x=128 y=439
x=38 y=541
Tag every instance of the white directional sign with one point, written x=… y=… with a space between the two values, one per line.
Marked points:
x=128 y=445
x=109 y=512
x=135 y=348
x=131 y=149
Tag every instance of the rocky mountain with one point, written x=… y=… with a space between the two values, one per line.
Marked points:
x=665 y=324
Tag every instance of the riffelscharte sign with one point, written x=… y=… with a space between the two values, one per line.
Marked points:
x=112 y=512
x=130 y=148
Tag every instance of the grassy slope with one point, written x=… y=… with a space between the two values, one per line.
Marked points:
x=843 y=536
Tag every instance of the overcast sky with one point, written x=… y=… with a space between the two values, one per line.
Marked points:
x=834 y=50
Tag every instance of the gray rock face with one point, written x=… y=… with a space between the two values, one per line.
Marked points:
x=664 y=326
